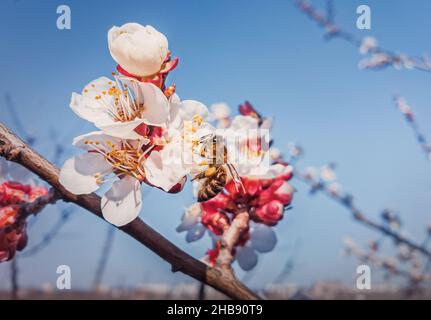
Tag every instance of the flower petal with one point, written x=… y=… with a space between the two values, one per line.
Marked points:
x=78 y=173
x=125 y=130
x=96 y=136
x=87 y=106
x=195 y=233
x=156 y=106
x=246 y=257
x=122 y=203
x=165 y=169
x=191 y=217
x=262 y=238
x=191 y=108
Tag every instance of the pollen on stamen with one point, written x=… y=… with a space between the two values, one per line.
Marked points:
x=197 y=119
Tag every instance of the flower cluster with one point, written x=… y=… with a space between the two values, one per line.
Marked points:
x=13 y=234
x=264 y=195
x=145 y=129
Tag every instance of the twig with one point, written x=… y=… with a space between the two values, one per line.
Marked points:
x=201 y=292
x=17 y=121
x=230 y=238
x=50 y=235
x=410 y=118
x=14 y=278
x=347 y=202
x=101 y=266
x=333 y=31
x=14 y=149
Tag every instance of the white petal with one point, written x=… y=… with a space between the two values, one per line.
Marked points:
x=86 y=105
x=122 y=203
x=175 y=120
x=262 y=238
x=77 y=174
x=195 y=233
x=191 y=217
x=164 y=169
x=191 y=108
x=156 y=107
x=244 y=123
x=220 y=111
x=246 y=257
x=96 y=136
x=124 y=130
x=139 y=49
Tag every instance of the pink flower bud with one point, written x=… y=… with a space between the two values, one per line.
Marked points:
x=11 y=240
x=284 y=193
x=246 y=109
x=270 y=213
x=215 y=221
x=179 y=186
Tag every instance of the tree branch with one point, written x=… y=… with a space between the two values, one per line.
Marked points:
x=14 y=149
x=361 y=217
x=230 y=238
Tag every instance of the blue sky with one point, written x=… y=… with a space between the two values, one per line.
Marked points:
x=230 y=51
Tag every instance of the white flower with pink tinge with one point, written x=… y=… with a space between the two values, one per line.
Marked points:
x=120 y=106
x=262 y=240
x=140 y=50
x=134 y=161
x=108 y=158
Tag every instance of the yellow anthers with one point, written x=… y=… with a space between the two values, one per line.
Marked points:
x=170 y=91
x=109 y=82
x=203 y=163
x=197 y=119
x=103 y=92
x=93 y=85
x=110 y=144
x=97 y=175
x=99 y=181
x=114 y=73
x=85 y=90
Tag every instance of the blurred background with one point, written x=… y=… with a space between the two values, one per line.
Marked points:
x=268 y=53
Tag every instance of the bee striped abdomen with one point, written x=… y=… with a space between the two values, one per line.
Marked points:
x=212 y=186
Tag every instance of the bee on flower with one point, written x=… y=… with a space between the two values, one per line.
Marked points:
x=264 y=192
x=147 y=134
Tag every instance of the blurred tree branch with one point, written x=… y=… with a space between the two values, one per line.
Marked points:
x=224 y=280
x=380 y=57
x=347 y=202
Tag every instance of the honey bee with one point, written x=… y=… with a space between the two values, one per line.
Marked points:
x=215 y=177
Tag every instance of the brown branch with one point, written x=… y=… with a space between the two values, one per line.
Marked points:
x=33 y=208
x=230 y=238
x=14 y=149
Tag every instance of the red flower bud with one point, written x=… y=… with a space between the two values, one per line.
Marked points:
x=246 y=109
x=11 y=240
x=214 y=220
x=213 y=254
x=270 y=213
